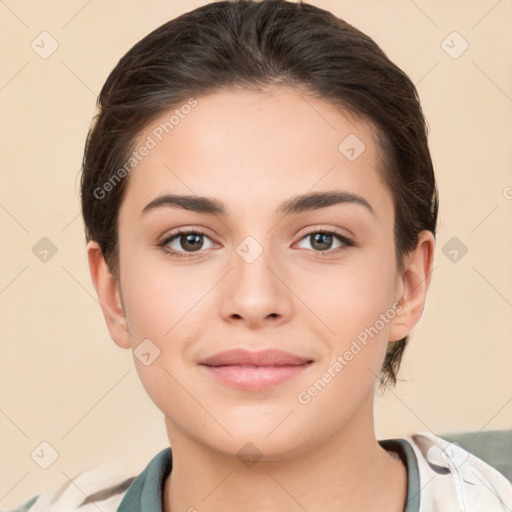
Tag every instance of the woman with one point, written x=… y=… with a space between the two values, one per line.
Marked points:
x=260 y=210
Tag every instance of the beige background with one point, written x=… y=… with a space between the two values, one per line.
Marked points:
x=64 y=381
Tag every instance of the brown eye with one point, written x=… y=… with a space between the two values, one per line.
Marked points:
x=184 y=242
x=322 y=241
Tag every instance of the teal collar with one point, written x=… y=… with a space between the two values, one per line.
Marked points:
x=145 y=493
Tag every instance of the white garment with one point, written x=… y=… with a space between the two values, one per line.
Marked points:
x=454 y=480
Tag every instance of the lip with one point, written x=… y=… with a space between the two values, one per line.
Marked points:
x=240 y=357
x=253 y=371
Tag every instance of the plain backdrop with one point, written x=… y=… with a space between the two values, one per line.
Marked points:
x=64 y=382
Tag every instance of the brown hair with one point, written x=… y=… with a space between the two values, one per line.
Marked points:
x=253 y=44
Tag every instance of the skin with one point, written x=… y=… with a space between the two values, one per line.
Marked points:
x=253 y=150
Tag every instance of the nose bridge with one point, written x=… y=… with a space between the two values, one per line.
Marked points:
x=255 y=250
x=255 y=257
x=255 y=291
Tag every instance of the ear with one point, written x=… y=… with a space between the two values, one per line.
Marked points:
x=413 y=285
x=107 y=289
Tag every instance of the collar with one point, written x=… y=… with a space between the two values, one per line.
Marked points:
x=145 y=493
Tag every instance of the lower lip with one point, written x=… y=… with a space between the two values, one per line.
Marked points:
x=255 y=378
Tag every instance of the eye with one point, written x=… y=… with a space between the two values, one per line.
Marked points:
x=189 y=241
x=186 y=243
x=322 y=240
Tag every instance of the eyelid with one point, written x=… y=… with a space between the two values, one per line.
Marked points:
x=319 y=228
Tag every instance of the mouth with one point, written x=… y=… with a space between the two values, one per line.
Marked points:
x=254 y=371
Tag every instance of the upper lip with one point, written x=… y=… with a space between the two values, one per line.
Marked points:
x=269 y=357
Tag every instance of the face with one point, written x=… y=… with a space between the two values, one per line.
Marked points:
x=315 y=278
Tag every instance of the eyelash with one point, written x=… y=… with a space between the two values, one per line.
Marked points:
x=347 y=242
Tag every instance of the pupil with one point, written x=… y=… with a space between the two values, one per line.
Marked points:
x=318 y=237
x=193 y=240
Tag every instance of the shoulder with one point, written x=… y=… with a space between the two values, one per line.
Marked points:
x=452 y=479
x=101 y=487
x=107 y=487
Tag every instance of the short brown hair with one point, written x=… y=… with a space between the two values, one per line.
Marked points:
x=253 y=44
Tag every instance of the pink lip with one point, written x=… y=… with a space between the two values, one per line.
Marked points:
x=269 y=357
x=253 y=371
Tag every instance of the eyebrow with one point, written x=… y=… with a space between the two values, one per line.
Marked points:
x=297 y=204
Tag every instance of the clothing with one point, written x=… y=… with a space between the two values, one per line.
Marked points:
x=441 y=477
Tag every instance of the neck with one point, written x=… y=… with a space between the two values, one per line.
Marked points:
x=348 y=471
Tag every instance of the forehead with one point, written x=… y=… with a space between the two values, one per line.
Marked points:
x=247 y=147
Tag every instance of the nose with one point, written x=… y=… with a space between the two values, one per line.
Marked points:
x=255 y=292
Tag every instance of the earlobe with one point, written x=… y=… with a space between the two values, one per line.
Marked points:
x=413 y=286
x=107 y=289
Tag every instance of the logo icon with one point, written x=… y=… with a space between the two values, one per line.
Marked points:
x=44 y=45
x=44 y=455
x=44 y=250
x=454 y=249
x=454 y=45
x=351 y=147
x=146 y=352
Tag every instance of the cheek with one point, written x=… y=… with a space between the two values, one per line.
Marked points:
x=359 y=312
x=161 y=301
x=356 y=303
x=349 y=298
x=164 y=309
